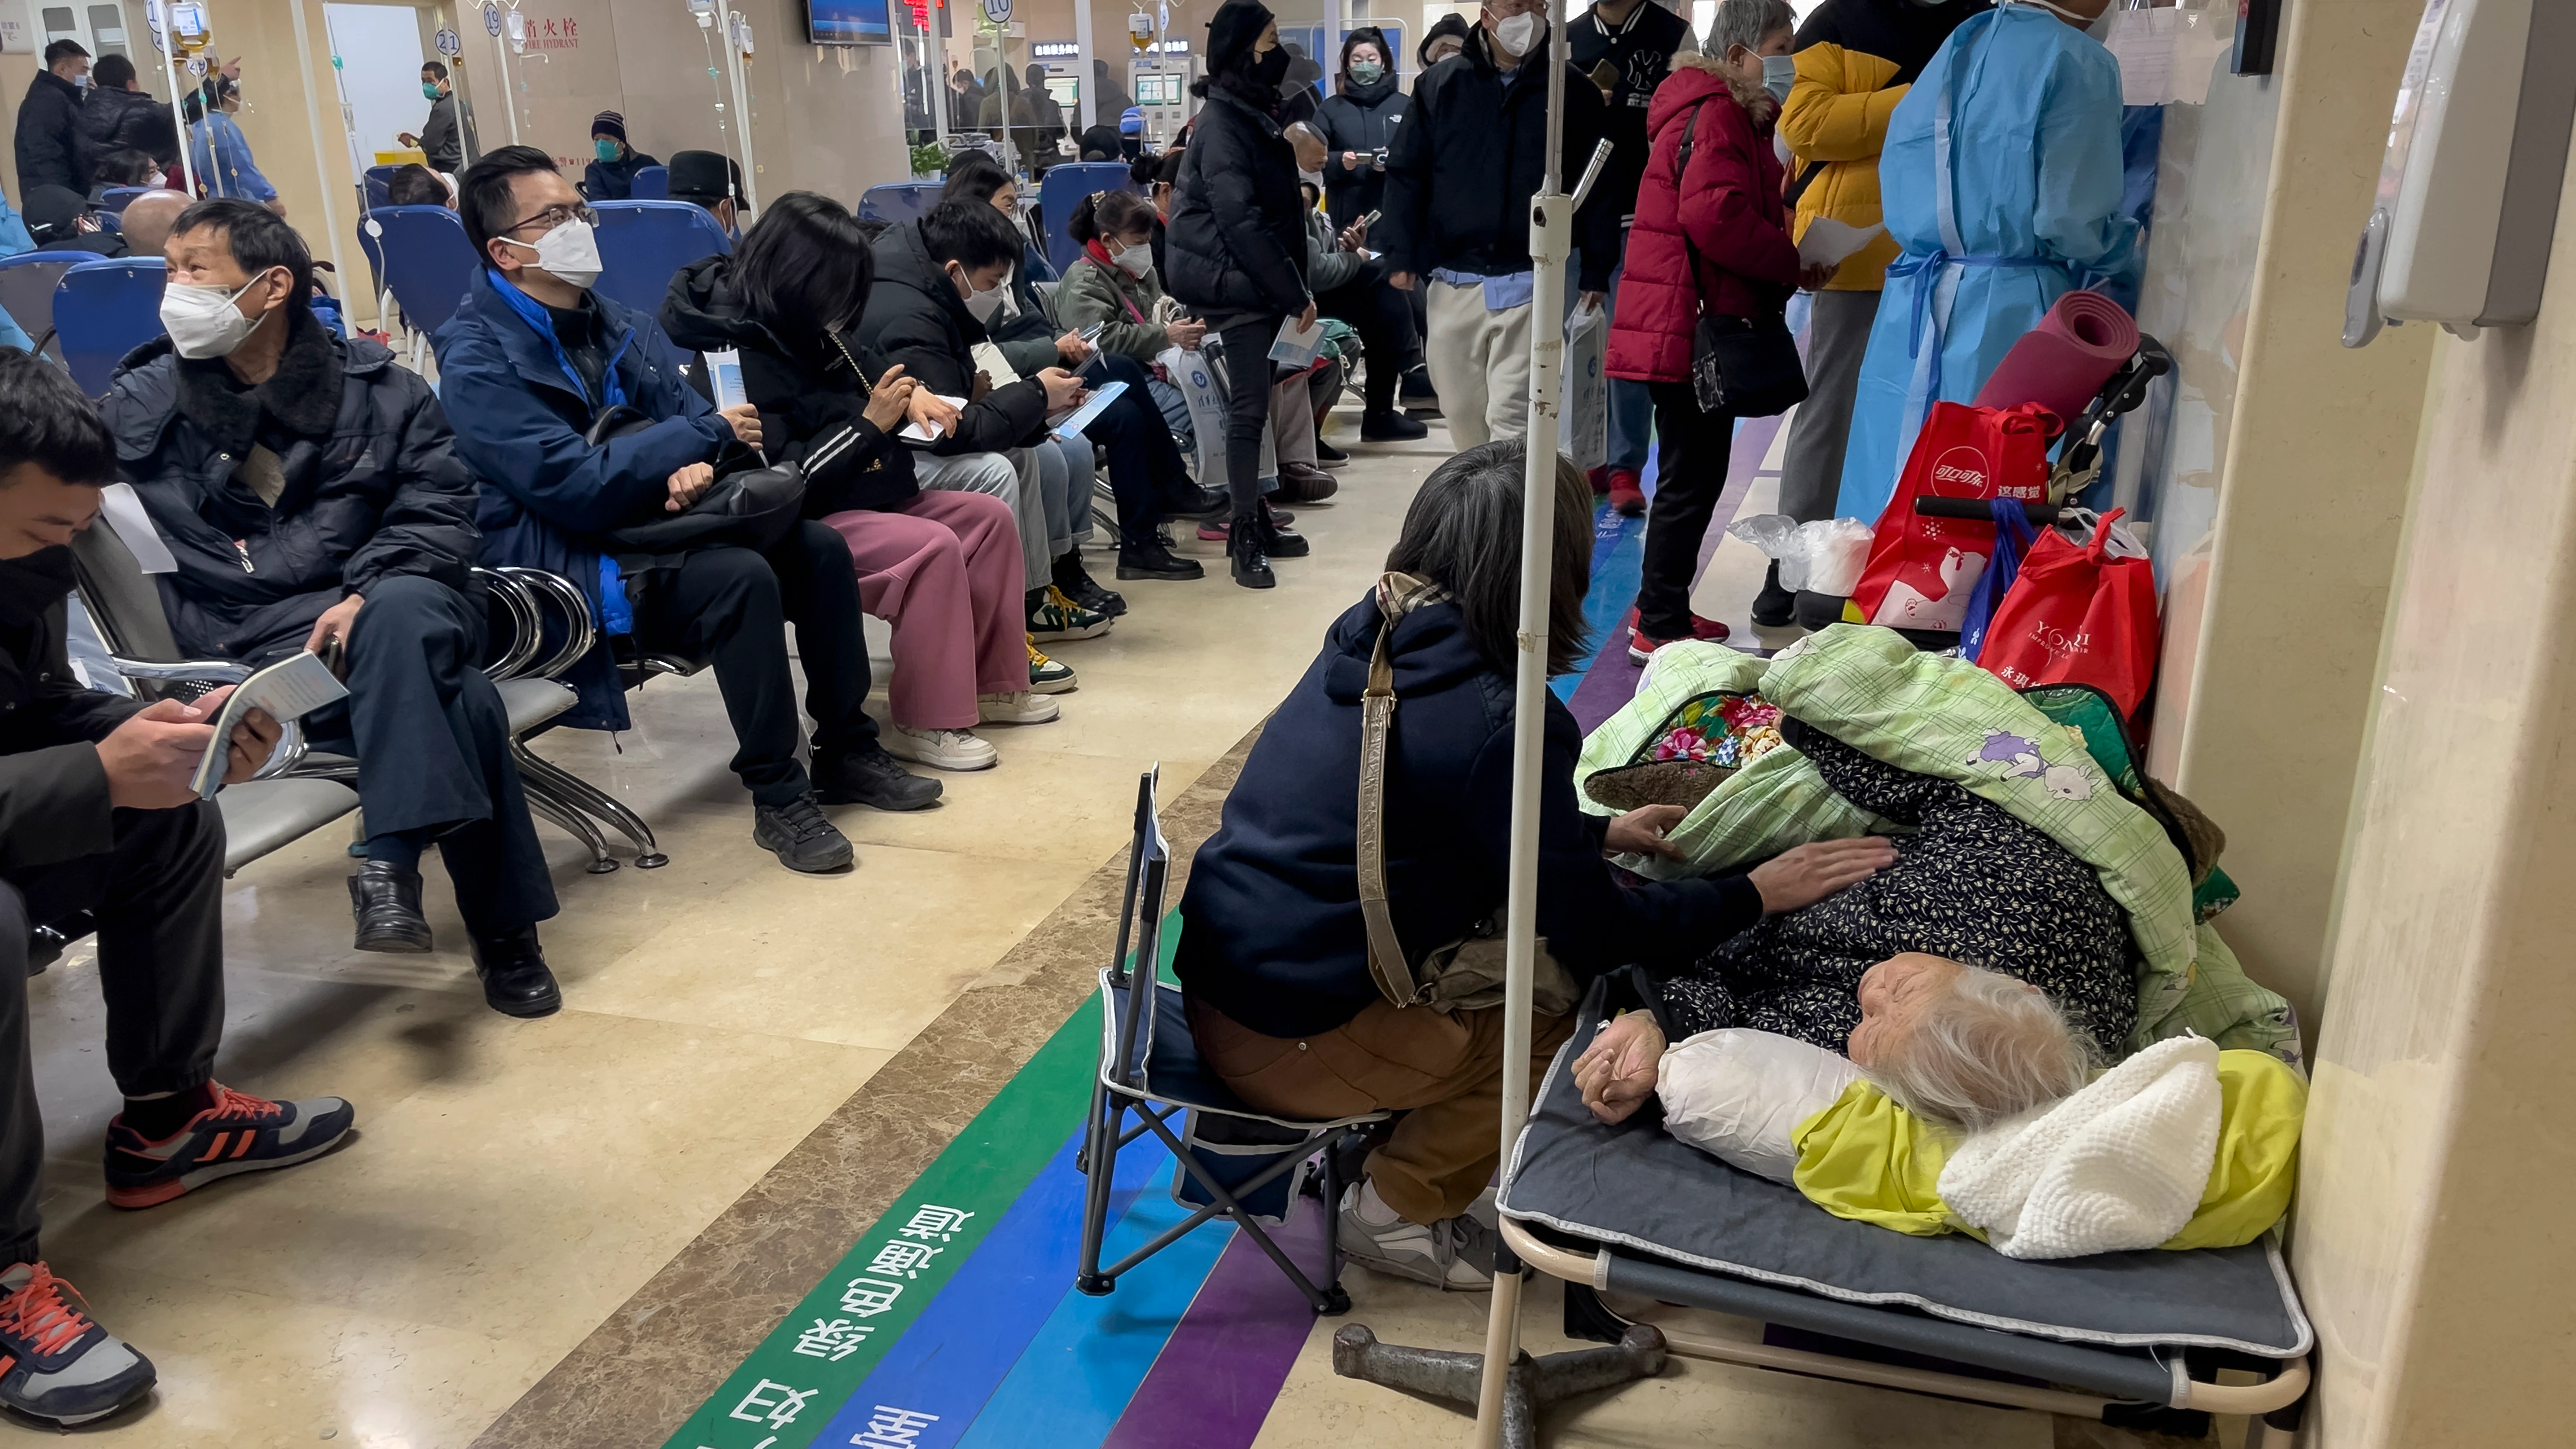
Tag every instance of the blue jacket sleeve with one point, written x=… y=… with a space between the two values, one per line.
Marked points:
x=2080 y=170
x=13 y=335
x=523 y=447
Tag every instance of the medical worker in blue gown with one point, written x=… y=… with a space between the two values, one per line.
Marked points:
x=2001 y=179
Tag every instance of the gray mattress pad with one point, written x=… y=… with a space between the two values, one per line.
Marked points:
x=1637 y=1190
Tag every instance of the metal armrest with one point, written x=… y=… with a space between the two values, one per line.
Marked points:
x=215 y=673
x=526 y=629
x=581 y=631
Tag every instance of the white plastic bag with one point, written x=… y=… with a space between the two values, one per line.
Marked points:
x=1586 y=436
x=1193 y=374
x=1823 y=557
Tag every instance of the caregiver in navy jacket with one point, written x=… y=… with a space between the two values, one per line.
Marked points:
x=1273 y=952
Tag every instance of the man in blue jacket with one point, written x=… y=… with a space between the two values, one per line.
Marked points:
x=533 y=358
x=310 y=494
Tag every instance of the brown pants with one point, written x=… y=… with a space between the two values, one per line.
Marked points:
x=1444 y=1072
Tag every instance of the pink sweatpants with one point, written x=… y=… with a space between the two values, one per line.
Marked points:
x=944 y=569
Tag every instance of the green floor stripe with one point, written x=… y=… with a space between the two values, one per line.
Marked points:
x=787 y=1390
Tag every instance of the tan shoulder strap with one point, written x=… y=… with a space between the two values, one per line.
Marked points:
x=1397 y=596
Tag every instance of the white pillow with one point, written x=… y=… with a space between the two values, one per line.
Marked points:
x=1738 y=1094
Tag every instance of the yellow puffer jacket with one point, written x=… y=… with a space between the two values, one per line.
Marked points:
x=1856 y=59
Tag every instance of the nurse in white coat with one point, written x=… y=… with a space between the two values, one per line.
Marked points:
x=2001 y=178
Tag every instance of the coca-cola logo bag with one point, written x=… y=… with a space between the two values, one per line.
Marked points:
x=1922 y=570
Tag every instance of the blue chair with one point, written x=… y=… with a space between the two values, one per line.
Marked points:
x=643 y=244
x=379 y=181
x=899 y=201
x=27 y=283
x=104 y=310
x=426 y=262
x=1066 y=184
x=650 y=183
x=113 y=199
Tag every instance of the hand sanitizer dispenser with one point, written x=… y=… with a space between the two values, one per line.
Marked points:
x=2468 y=189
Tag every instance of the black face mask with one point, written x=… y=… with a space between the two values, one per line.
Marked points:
x=1271 y=69
x=31 y=585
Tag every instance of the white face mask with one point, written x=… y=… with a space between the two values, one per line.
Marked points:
x=1136 y=261
x=569 y=253
x=1517 y=33
x=203 y=322
x=979 y=304
x=1779 y=73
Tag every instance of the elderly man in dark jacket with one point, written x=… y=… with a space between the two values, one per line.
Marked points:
x=536 y=358
x=99 y=822
x=122 y=116
x=310 y=492
x=49 y=142
x=1465 y=163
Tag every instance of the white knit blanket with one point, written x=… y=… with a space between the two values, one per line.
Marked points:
x=2120 y=1165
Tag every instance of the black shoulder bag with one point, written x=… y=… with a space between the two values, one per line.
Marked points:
x=1739 y=367
x=749 y=506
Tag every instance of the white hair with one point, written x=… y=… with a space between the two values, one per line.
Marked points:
x=1986 y=1048
x=1746 y=23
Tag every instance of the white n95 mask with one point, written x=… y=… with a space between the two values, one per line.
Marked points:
x=569 y=253
x=1135 y=261
x=1518 y=33
x=203 y=322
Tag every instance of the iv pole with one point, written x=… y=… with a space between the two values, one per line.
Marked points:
x=158 y=15
x=321 y=158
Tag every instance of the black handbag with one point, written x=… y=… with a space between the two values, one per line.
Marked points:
x=1739 y=367
x=751 y=506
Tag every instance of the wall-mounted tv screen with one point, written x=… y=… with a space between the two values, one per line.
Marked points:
x=848 y=22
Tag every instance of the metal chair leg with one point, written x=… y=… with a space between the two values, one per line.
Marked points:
x=578 y=826
x=1099 y=1165
x=1533 y=1384
x=577 y=793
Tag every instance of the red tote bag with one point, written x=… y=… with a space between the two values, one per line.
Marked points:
x=2078 y=614
x=1922 y=570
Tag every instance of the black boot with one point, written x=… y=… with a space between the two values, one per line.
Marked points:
x=386 y=900
x=1198 y=505
x=1079 y=586
x=1389 y=426
x=1243 y=550
x=515 y=979
x=872 y=777
x=1150 y=556
x=1774 y=607
x=1277 y=540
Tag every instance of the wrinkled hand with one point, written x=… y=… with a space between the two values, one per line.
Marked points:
x=890 y=401
x=335 y=623
x=1641 y=832
x=1073 y=349
x=1355 y=236
x=254 y=738
x=937 y=416
x=1401 y=281
x=150 y=757
x=744 y=419
x=1617 y=1073
x=1811 y=872
x=1813 y=277
x=687 y=484
x=1063 y=389
x=406 y=139
x=1185 y=334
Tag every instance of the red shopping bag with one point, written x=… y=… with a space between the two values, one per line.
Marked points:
x=2078 y=614
x=1922 y=570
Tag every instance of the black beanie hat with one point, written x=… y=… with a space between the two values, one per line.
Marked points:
x=1237 y=25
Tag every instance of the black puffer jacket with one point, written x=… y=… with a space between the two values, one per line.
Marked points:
x=1238 y=235
x=1470 y=155
x=49 y=140
x=373 y=489
x=916 y=318
x=812 y=409
x=1361 y=119
x=122 y=120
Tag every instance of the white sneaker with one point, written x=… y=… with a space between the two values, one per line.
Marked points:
x=1454 y=1254
x=940 y=749
x=1018 y=708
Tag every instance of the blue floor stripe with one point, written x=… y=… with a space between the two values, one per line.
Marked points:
x=1618 y=561
x=953 y=1358
x=1068 y=1389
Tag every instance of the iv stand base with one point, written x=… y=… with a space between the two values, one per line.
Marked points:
x=1532 y=1384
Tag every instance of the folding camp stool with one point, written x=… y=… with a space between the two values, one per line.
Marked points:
x=1234 y=1163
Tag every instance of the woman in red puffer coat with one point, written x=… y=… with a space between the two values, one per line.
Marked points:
x=1716 y=240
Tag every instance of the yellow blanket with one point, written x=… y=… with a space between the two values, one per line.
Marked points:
x=1868 y=1159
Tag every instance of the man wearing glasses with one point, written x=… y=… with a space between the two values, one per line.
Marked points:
x=1460 y=175
x=527 y=366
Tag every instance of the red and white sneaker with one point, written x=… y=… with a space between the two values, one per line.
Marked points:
x=1627 y=492
x=1642 y=646
x=239 y=1133
x=56 y=1362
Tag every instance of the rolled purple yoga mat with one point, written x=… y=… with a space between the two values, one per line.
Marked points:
x=2061 y=363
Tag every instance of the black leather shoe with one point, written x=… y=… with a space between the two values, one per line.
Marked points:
x=515 y=979
x=1327 y=454
x=1278 y=541
x=1774 y=607
x=1251 y=565
x=1199 y=504
x=1152 y=558
x=386 y=901
x=873 y=778
x=1390 y=427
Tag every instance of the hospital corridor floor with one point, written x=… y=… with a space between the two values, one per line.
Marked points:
x=793 y=1166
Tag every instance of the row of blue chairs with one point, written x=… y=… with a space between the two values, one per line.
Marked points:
x=1062 y=186
x=652 y=183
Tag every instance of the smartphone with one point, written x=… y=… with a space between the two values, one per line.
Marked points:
x=1091 y=334
x=1371 y=218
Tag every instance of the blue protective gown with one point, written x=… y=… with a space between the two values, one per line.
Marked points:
x=224 y=166
x=2033 y=177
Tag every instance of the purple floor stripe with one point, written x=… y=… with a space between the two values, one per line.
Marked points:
x=1612 y=679
x=1216 y=1378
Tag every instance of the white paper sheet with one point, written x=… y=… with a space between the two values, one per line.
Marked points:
x=916 y=433
x=290 y=689
x=1828 y=241
x=123 y=508
x=2166 y=55
x=724 y=378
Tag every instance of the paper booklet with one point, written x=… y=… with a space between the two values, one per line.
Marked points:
x=292 y=688
x=1828 y=241
x=1080 y=418
x=724 y=377
x=916 y=433
x=1296 y=347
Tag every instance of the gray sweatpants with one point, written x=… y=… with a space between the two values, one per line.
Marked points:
x=1811 y=474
